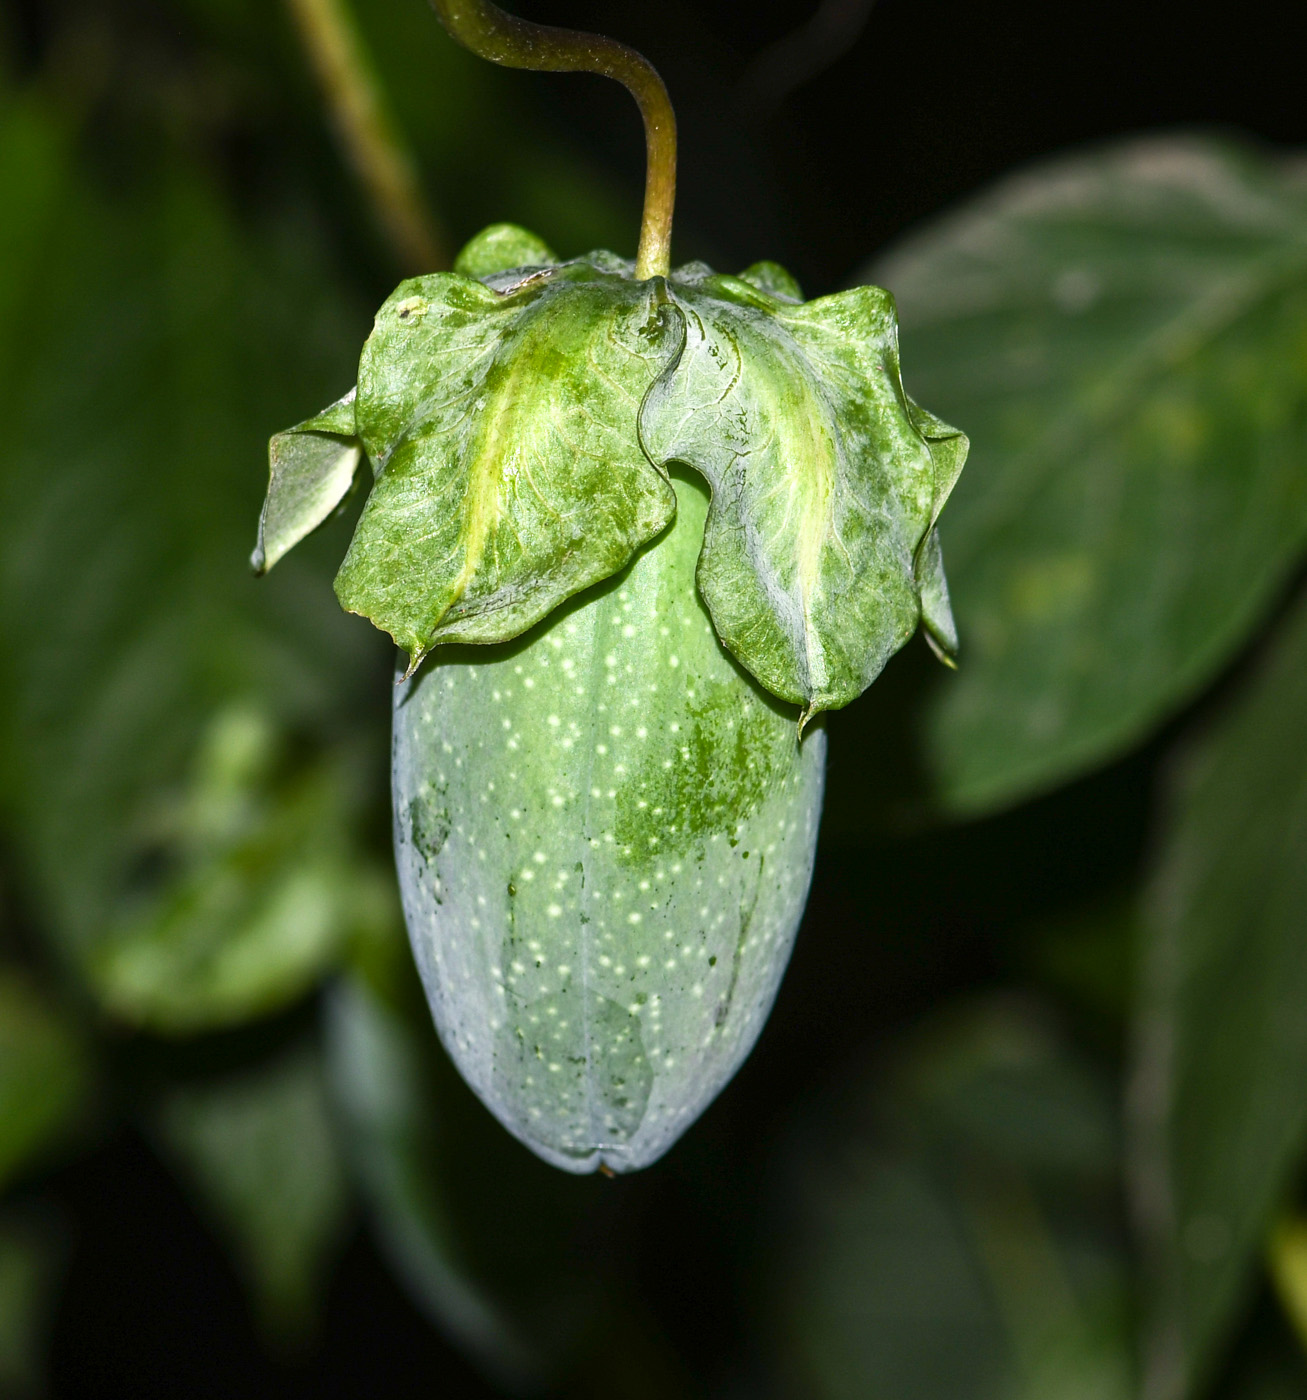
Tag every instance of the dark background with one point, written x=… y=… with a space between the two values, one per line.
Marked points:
x=931 y=101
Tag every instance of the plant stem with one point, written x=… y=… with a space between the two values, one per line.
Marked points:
x=502 y=38
x=368 y=132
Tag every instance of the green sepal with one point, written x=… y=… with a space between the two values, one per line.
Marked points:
x=936 y=611
x=520 y=417
x=500 y=247
x=826 y=482
x=948 y=451
x=312 y=467
x=502 y=428
x=772 y=278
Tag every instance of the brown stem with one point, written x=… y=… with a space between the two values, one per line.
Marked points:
x=368 y=133
x=490 y=33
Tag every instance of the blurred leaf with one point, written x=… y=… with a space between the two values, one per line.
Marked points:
x=958 y=1240
x=260 y=1151
x=1123 y=335
x=485 y=146
x=151 y=345
x=991 y=1080
x=380 y=1083
x=44 y=1075
x=1220 y=1081
x=30 y=1247
x=263 y=893
x=523 y=1267
x=1286 y=1257
x=33 y=171
x=1086 y=957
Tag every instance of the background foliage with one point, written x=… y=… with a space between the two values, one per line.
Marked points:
x=1029 y=1121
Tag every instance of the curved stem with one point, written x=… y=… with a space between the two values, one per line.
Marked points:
x=502 y=38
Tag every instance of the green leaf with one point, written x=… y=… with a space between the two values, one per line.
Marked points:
x=395 y=1137
x=1124 y=333
x=500 y=248
x=825 y=482
x=1220 y=1080
x=160 y=342
x=1286 y=1260
x=260 y=1151
x=44 y=1075
x=264 y=892
x=501 y=425
x=33 y=171
x=954 y=1236
x=312 y=468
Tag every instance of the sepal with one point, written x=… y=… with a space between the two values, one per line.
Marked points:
x=826 y=481
x=501 y=424
x=312 y=468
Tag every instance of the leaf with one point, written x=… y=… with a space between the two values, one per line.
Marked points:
x=1286 y=1259
x=264 y=890
x=312 y=469
x=395 y=1140
x=153 y=342
x=824 y=487
x=259 y=1149
x=1122 y=333
x=953 y=1236
x=33 y=170
x=44 y=1074
x=1219 y=1094
x=501 y=426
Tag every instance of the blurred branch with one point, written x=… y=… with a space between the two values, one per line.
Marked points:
x=369 y=134
x=799 y=56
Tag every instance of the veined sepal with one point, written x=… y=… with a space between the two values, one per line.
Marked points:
x=819 y=558
x=501 y=427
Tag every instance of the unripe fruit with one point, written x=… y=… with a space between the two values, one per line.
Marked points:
x=605 y=835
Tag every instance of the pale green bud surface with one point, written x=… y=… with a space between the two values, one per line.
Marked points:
x=605 y=839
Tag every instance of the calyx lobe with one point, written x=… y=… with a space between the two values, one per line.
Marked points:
x=521 y=427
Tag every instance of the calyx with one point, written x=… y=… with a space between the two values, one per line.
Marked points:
x=521 y=415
